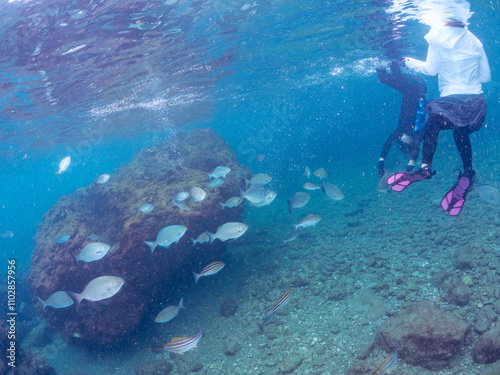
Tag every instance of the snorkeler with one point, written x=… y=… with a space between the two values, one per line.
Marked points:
x=412 y=118
x=459 y=60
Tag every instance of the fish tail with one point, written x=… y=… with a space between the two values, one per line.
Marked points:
x=201 y=330
x=196 y=277
x=42 y=302
x=323 y=188
x=295 y=226
x=211 y=236
x=151 y=245
x=193 y=241
x=181 y=304
x=289 y=207
x=246 y=183
x=77 y=298
x=222 y=205
x=261 y=327
x=59 y=173
x=210 y=176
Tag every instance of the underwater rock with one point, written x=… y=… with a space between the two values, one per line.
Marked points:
x=464 y=259
x=110 y=210
x=485 y=317
x=456 y=293
x=487 y=349
x=290 y=363
x=232 y=347
x=228 y=307
x=157 y=367
x=425 y=335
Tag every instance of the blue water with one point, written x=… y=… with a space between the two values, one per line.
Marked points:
x=295 y=81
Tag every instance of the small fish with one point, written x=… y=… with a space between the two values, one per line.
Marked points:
x=321 y=173
x=203 y=237
x=488 y=193
x=291 y=237
x=181 y=196
x=232 y=202
x=309 y=221
x=93 y=236
x=332 y=191
x=311 y=186
x=298 y=200
x=216 y=182
x=57 y=300
x=219 y=172
x=63 y=165
x=255 y=193
x=267 y=200
x=198 y=194
x=7 y=234
x=389 y=362
x=260 y=179
x=182 y=205
x=260 y=157
x=180 y=345
x=167 y=236
x=146 y=207
x=280 y=303
x=210 y=269
x=228 y=231
x=102 y=179
x=93 y=251
x=307 y=172
x=63 y=237
x=169 y=312
x=102 y=287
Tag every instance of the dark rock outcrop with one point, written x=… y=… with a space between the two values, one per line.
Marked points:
x=157 y=367
x=487 y=349
x=228 y=307
x=424 y=334
x=110 y=210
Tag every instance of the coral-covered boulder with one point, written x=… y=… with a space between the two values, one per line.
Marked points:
x=425 y=335
x=110 y=211
x=487 y=349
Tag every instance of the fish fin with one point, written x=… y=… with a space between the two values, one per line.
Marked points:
x=261 y=327
x=222 y=205
x=289 y=207
x=75 y=297
x=210 y=176
x=193 y=241
x=42 y=302
x=181 y=304
x=210 y=236
x=196 y=277
x=246 y=183
x=151 y=245
x=175 y=339
x=201 y=330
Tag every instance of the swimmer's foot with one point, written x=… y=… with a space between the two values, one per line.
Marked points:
x=454 y=200
x=401 y=180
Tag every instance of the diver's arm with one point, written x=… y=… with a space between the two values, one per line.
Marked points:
x=429 y=67
x=484 y=69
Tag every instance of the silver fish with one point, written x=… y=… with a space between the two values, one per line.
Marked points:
x=332 y=191
x=260 y=179
x=488 y=193
x=267 y=200
x=182 y=205
x=321 y=173
x=7 y=234
x=146 y=207
x=232 y=202
x=216 y=182
x=167 y=236
x=63 y=237
x=198 y=194
x=100 y=288
x=291 y=237
x=203 y=237
x=219 y=172
x=255 y=193
x=298 y=200
x=228 y=231
x=309 y=221
x=57 y=300
x=181 y=196
x=311 y=186
x=63 y=165
x=93 y=236
x=93 y=251
x=169 y=312
x=102 y=179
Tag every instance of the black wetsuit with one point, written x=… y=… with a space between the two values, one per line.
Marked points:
x=414 y=90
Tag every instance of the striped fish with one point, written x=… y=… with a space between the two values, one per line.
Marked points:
x=389 y=362
x=210 y=269
x=281 y=302
x=180 y=345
